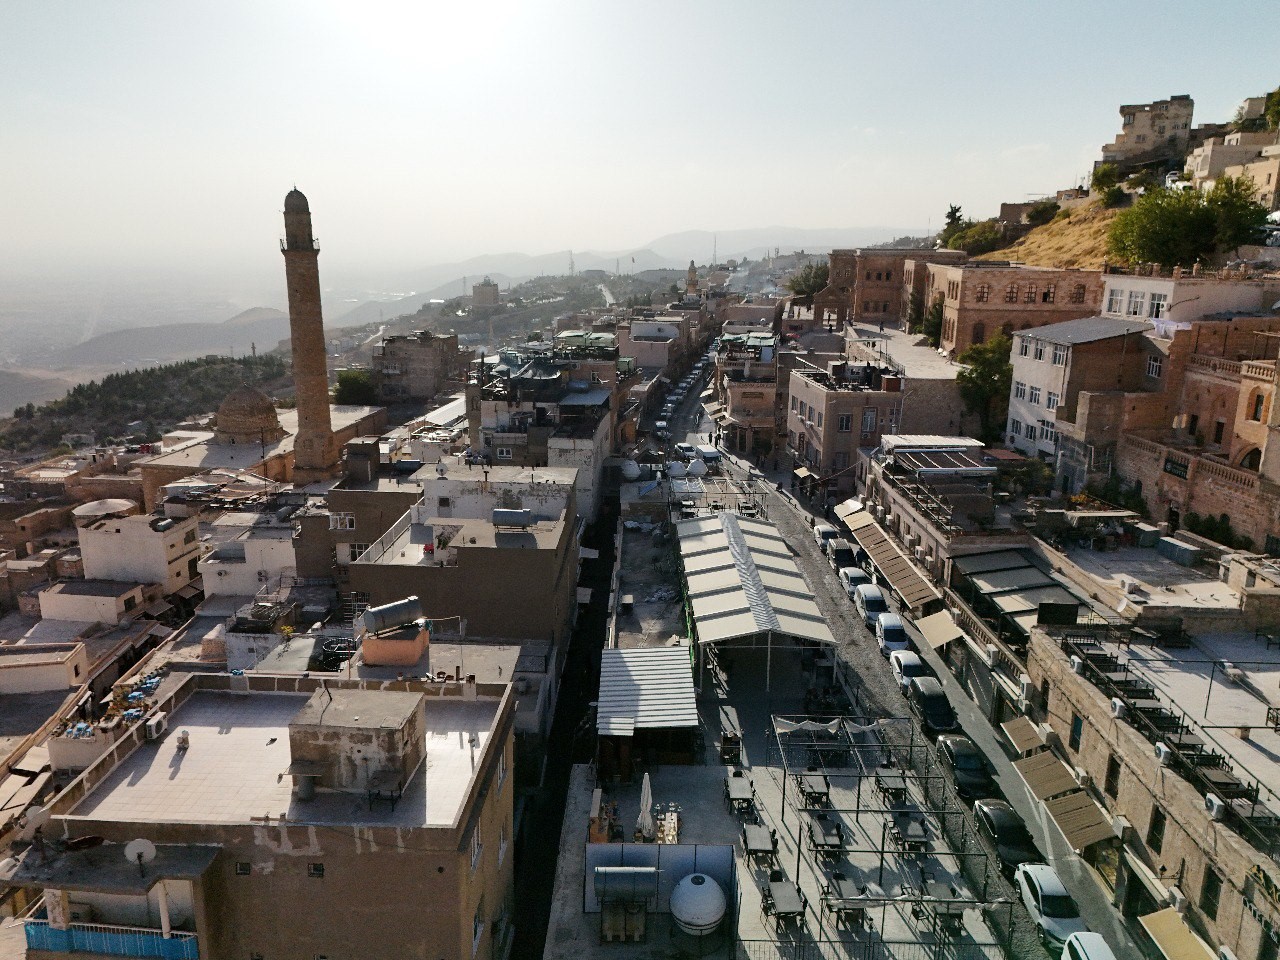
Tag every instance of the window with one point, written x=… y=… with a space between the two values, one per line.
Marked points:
x=1077 y=731
x=888 y=274
x=1154 y=365
x=342 y=521
x=1258 y=401
x=477 y=927
x=1011 y=293
x=1015 y=427
x=983 y=293
x=1210 y=892
x=1033 y=395
x=1218 y=427
x=1047 y=432
x=844 y=423
x=1137 y=301
x=190 y=537
x=1111 y=784
x=1155 y=830
x=842 y=460
x=1128 y=119
x=1024 y=347
x=1077 y=293
x=242 y=868
x=502 y=768
x=1030 y=431
x=1044 y=697
x=795 y=403
x=477 y=847
x=1115 y=300
x=502 y=842
x=502 y=453
x=1038 y=353
x=869 y=420
x=315 y=870
x=1029 y=295
x=1019 y=390
x=979 y=333
x=819 y=420
x=443 y=502
x=1159 y=301
x=791 y=438
x=868 y=274
x=1059 y=355
x=76 y=668
x=1050 y=293
x=1051 y=401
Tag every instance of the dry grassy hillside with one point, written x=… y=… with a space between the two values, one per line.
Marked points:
x=1079 y=240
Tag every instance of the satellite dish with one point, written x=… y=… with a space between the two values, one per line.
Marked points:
x=441 y=468
x=37 y=817
x=8 y=867
x=140 y=851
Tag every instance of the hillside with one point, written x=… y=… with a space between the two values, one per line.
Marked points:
x=178 y=341
x=159 y=396
x=1079 y=240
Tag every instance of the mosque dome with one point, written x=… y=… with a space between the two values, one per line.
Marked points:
x=247 y=415
x=296 y=202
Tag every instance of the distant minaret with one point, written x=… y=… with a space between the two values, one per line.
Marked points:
x=315 y=449
x=691 y=280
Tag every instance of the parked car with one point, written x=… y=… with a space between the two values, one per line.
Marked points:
x=851 y=578
x=712 y=457
x=669 y=410
x=891 y=635
x=823 y=532
x=906 y=664
x=967 y=765
x=661 y=430
x=870 y=603
x=1005 y=831
x=1049 y=904
x=927 y=699
x=839 y=552
x=1087 y=946
x=686 y=451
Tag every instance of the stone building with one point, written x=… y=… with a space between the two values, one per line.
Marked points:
x=1263 y=172
x=1153 y=135
x=866 y=285
x=1210 y=160
x=416 y=366
x=486 y=293
x=745 y=404
x=983 y=299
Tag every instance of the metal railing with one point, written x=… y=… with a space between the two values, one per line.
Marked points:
x=118 y=941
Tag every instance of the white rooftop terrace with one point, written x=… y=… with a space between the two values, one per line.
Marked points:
x=1161 y=581
x=239 y=747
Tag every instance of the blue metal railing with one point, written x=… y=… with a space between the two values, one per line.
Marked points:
x=114 y=940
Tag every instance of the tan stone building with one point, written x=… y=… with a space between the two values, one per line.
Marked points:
x=745 y=404
x=1210 y=160
x=1151 y=134
x=417 y=366
x=1264 y=173
x=866 y=285
x=984 y=299
x=376 y=816
x=486 y=293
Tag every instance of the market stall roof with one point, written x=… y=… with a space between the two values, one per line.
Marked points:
x=645 y=688
x=1168 y=928
x=742 y=581
x=1080 y=819
x=848 y=508
x=905 y=579
x=1022 y=733
x=1046 y=775
x=939 y=629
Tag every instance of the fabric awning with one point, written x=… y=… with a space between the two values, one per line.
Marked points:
x=1046 y=775
x=1022 y=733
x=856 y=521
x=905 y=579
x=848 y=508
x=1175 y=939
x=1080 y=819
x=939 y=629
x=801 y=473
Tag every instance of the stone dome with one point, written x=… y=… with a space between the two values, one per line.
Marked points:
x=247 y=415
x=296 y=202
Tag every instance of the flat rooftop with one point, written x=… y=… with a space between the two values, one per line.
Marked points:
x=93 y=588
x=1161 y=581
x=239 y=749
x=909 y=350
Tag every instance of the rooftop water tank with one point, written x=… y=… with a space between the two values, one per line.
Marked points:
x=676 y=469
x=392 y=614
x=630 y=470
x=512 y=518
x=697 y=904
x=696 y=468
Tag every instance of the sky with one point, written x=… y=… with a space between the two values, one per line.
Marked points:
x=154 y=139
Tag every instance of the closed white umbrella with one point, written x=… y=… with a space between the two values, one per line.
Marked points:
x=644 y=822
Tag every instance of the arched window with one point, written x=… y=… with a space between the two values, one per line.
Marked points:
x=1251 y=460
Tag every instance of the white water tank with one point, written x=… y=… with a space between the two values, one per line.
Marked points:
x=630 y=470
x=696 y=468
x=676 y=469
x=697 y=904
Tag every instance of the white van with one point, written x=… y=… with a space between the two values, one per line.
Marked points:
x=891 y=635
x=870 y=603
x=712 y=457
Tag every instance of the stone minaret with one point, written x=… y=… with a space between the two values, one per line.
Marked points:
x=315 y=450
x=691 y=279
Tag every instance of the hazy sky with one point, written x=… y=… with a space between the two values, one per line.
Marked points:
x=159 y=138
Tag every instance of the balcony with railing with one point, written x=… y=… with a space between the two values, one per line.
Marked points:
x=111 y=940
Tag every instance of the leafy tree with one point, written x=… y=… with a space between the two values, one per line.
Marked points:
x=979 y=238
x=984 y=385
x=1105 y=175
x=1142 y=180
x=915 y=312
x=1185 y=227
x=1042 y=212
x=955 y=222
x=355 y=387
x=931 y=326
x=808 y=280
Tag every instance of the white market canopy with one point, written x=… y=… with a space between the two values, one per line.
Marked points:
x=645 y=688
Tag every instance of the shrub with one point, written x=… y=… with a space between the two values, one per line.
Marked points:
x=1042 y=212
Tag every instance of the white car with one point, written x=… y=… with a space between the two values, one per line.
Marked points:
x=823 y=532
x=686 y=451
x=851 y=578
x=891 y=635
x=1049 y=904
x=906 y=664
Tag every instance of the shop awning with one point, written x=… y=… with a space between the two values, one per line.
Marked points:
x=939 y=629
x=848 y=508
x=1080 y=819
x=1046 y=775
x=893 y=564
x=713 y=409
x=801 y=473
x=158 y=609
x=1022 y=733
x=1175 y=939
x=856 y=521
x=645 y=688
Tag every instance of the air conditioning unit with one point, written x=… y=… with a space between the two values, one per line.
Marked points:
x=1025 y=687
x=991 y=654
x=1215 y=805
x=1024 y=705
x=1118 y=708
x=1164 y=753
x=1177 y=899
x=1077 y=665
x=156 y=726
x=1083 y=777
x=921 y=553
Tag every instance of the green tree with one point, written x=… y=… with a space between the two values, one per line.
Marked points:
x=1184 y=226
x=978 y=238
x=1042 y=212
x=984 y=385
x=931 y=326
x=955 y=222
x=1105 y=175
x=355 y=387
x=915 y=312
x=808 y=280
